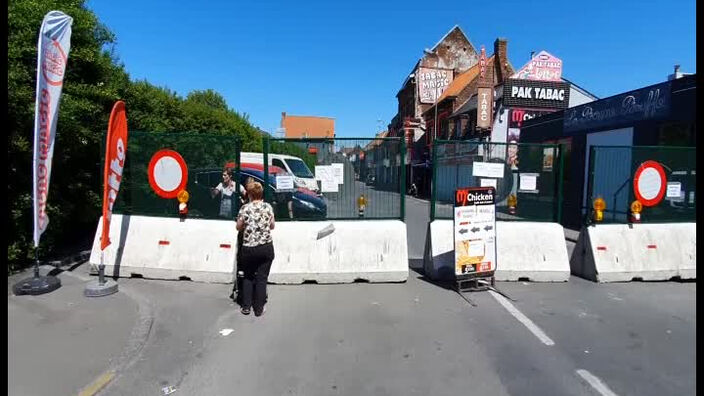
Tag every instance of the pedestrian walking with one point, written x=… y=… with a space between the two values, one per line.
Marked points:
x=256 y=220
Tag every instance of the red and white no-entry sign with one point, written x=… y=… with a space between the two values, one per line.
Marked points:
x=168 y=173
x=649 y=183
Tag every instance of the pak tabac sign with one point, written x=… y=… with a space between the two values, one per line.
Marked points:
x=536 y=94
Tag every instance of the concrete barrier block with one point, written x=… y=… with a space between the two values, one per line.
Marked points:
x=533 y=250
x=372 y=250
x=622 y=252
x=205 y=250
x=168 y=248
x=525 y=250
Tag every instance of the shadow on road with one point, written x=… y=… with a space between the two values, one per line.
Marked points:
x=416 y=265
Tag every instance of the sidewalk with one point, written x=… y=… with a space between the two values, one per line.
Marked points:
x=61 y=342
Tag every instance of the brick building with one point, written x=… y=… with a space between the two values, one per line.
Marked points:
x=463 y=91
x=451 y=56
x=310 y=127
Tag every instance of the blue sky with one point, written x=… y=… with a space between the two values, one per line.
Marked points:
x=347 y=60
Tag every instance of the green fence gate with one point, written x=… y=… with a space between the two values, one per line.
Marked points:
x=340 y=172
x=530 y=172
x=611 y=173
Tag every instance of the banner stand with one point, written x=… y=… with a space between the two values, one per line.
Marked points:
x=115 y=153
x=37 y=284
x=100 y=287
x=53 y=47
x=475 y=240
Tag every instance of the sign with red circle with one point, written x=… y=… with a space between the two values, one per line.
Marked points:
x=168 y=173
x=649 y=183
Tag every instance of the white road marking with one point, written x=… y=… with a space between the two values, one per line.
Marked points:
x=226 y=332
x=595 y=383
x=523 y=319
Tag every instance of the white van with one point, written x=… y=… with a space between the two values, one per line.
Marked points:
x=302 y=176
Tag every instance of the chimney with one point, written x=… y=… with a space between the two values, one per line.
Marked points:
x=283 y=117
x=532 y=54
x=500 y=58
x=677 y=69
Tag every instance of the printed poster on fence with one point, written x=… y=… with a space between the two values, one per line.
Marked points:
x=338 y=170
x=475 y=232
x=326 y=175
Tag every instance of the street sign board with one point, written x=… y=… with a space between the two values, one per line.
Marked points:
x=475 y=232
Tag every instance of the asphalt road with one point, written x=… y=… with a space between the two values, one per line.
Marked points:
x=418 y=338
x=415 y=338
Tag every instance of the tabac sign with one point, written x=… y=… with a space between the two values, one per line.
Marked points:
x=432 y=83
x=536 y=94
x=542 y=67
x=485 y=107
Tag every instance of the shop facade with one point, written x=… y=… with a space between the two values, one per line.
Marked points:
x=663 y=114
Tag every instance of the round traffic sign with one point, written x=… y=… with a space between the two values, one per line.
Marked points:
x=649 y=183
x=168 y=173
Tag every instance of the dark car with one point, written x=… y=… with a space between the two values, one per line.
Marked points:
x=304 y=203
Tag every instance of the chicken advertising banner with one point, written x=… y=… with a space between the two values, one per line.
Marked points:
x=475 y=232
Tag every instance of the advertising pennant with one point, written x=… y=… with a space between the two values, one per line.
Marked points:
x=115 y=152
x=53 y=48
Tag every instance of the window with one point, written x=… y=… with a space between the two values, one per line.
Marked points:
x=279 y=163
x=299 y=168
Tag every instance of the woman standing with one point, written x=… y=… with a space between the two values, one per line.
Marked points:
x=256 y=218
x=226 y=190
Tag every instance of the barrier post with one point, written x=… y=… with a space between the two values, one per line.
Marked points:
x=560 y=181
x=266 y=167
x=237 y=177
x=590 y=185
x=403 y=179
x=433 y=180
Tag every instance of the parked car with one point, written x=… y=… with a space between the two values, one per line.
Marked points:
x=302 y=176
x=304 y=203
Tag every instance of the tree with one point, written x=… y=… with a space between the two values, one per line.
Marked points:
x=92 y=83
x=94 y=80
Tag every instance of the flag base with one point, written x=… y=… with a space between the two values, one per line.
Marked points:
x=36 y=285
x=95 y=289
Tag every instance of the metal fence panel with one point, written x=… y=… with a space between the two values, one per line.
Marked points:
x=368 y=167
x=531 y=172
x=205 y=156
x=611 y=172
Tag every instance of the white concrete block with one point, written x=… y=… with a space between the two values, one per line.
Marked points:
x=168 y=248
x=372 y=250
x=205 y=250
x=621 y=252
x=532 y=250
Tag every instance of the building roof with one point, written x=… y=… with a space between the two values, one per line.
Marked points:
x=376 y=142
x=456 y=27
x=578 y=88
x=308 y=126
x=411 y=74
x=460 y=82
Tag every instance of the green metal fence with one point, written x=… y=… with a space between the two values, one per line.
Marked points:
x=530 y=172
x=308 y=179
x=611 y=172
x=330 y=176
x=205 y=157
